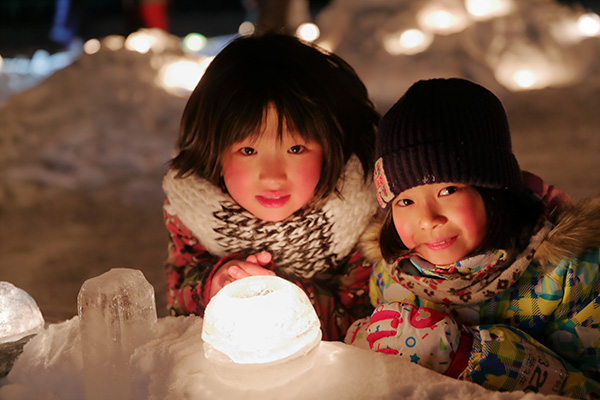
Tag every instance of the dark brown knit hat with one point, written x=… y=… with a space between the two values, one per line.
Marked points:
x=444 y=130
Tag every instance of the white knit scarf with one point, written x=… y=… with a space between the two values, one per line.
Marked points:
x=308 y=242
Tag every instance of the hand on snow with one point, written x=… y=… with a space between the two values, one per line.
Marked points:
x=422 y=335
x=238 y=269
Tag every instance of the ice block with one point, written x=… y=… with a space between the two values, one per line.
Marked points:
x=117 y=313
x=20 y=319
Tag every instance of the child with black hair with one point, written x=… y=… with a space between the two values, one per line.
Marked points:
x=476 y=279
x=273 y=176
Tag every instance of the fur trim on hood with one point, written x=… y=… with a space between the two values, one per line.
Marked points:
x=576 y=228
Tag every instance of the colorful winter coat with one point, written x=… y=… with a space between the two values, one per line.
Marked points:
x=315 y=248
x=534 y=315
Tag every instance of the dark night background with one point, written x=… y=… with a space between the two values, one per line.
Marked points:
x=25 y=24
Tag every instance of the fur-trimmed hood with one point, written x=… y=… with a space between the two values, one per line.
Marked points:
x=576 y=228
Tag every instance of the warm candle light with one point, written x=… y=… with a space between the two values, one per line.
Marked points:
x=260 y=319
x=260 y=323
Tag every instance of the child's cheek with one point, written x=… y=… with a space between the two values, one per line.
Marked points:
x=404 y=231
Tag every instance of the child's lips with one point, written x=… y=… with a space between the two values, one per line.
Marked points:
x=440 y=244
x=273 y=200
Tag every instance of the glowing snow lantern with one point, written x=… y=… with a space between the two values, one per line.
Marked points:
x=20 y=319
x=308 y=31
x=487 y=9
x=260 y=326
x=411 y=41
x=441 y=20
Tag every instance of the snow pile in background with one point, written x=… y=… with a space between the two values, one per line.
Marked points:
x=100 y=121
x=534 y=36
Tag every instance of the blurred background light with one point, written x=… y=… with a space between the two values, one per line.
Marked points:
x=441 y=20
x=529 y=68
x=246 y=28
x=91 y=46
x=181 y=77
x=139 y=41
x=411 y=41
x=194 y=42
x=487 y=9
x=589 y=24
x=113 y=42
x=308 y=32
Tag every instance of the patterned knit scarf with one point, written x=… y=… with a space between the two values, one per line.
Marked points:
x=309 y=242
x=482 y=284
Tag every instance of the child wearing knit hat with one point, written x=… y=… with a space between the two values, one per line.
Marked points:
x=473 y=276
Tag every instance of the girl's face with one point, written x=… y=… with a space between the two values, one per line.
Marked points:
x=270 y=178
x=441 y=222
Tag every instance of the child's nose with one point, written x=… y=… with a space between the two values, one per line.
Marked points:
x=430 y=218
x=272 y=169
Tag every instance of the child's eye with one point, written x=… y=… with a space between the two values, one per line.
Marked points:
x=247 y=151
x=297 y=149
x=404 y=202
x=448 y=190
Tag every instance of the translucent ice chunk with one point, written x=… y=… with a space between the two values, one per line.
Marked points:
x=20 y=319
x=117 y=314
x=19 y=314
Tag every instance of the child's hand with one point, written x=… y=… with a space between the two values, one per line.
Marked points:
x=238 y=269
x=263 y=258
x=421 y=335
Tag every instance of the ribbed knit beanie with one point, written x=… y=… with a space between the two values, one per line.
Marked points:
x=444 y=130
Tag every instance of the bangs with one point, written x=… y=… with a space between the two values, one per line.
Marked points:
x=315 y=94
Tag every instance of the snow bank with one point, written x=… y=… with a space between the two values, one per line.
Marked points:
x=173 y=366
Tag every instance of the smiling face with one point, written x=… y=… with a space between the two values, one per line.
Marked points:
x=272 y=178
x=442 y=222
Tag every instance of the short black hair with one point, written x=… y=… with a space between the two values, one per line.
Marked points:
x=314 y=92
